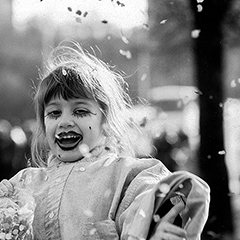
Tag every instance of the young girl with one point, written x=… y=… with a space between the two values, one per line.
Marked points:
x=88 y=182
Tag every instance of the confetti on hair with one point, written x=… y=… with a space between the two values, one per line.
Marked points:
x=64 y=72
x=125 y=40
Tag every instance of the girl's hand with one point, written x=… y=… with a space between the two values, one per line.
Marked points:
x=6 y=188
x=166 y=230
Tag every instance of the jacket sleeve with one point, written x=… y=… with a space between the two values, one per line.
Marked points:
x=137 y=221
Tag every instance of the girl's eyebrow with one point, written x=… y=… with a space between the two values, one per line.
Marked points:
x=51 y=103
x=83 y=103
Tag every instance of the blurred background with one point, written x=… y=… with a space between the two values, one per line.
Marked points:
x=181 y=58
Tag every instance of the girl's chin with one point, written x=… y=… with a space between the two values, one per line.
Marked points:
x=68 y=157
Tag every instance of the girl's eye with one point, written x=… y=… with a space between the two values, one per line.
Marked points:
x=53 y=114
x=81 y=113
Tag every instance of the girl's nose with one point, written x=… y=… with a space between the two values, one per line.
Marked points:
x=66 y=121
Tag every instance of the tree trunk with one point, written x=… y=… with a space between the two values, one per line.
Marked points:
x=208 y=51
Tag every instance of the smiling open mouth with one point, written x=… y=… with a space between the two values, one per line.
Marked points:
x=68 y=140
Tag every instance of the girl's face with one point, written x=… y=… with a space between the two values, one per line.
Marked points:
x=69 y=124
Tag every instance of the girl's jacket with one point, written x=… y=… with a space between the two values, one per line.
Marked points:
x=110 y=197
x=145 y=212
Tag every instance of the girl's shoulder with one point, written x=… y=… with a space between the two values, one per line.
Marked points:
x=27 y=176
x=149 y=165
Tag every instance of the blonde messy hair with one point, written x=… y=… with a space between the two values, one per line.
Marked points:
x=75 y=73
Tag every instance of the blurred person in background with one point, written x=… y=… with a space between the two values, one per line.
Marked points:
x=7 y=149
x=172 y=148
x=14 y=148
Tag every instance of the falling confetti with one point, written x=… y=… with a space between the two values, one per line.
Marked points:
x=142 y=213
x=88 y=212
x=145 y=25
x=85 y=14
x=107 y=193
x=164 y=188
x=180 y=186
x=156 y=218
x=92 y=231
x=125 y=40
x=84 y=149
x=69 y=9
x=104 y=21
x=195 y=33
x=199 y=8
x=198 y=92
x=222 y=152
x=78 y=20
x=163 y=21
x=144 y=77
x=233 y=84
x=78 y=12
x=120 y=4
x=126 y=53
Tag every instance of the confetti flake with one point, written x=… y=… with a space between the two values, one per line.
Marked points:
x=78 y=12
x=222 y=152
x=126 y=53
x=142 y=213
x=92 y=231
x=163 y=21
x=164 y=188
x=195 y=33
x=199 y=8
x=84 y=149
x=233 y=84
x=88 y=212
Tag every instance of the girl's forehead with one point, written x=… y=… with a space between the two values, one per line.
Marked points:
x=74 y=101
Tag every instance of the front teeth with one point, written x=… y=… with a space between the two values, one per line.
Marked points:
x=65 y=137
